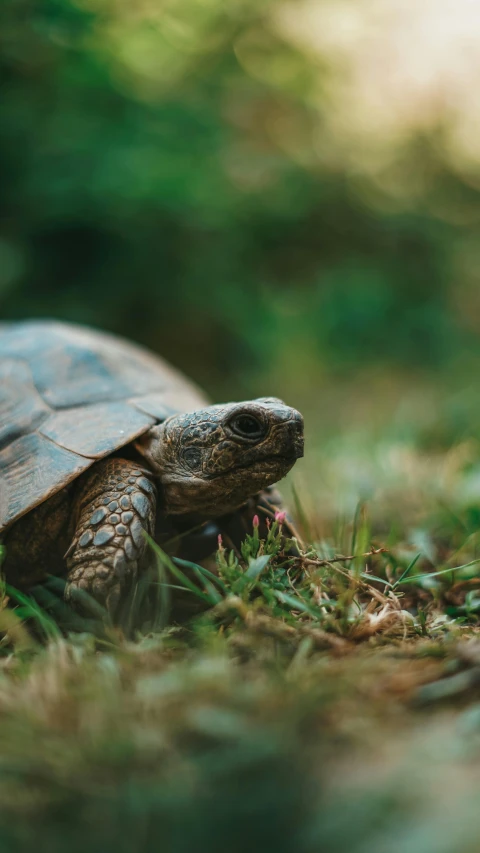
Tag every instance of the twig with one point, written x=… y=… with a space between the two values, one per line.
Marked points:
x=340 y=558
x=346 y=574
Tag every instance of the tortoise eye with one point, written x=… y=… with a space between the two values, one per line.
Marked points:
x=247 y=426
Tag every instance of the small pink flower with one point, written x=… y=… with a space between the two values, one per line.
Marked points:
x=280 y=517
x=256 y=521
x=220 y=542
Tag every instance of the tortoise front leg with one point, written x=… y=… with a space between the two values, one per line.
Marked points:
x=114 y=506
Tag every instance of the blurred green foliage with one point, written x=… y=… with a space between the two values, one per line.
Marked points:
x=160 y=178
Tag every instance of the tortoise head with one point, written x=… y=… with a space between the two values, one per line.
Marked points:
x=211 y=460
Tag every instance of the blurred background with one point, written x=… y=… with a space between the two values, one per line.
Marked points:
x=281 y=198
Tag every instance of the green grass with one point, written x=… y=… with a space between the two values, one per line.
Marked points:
x=324 y=698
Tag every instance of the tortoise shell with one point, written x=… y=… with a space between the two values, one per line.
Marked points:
x=70 y=396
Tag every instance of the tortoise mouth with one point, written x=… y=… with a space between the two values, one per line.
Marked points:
x=278 y=460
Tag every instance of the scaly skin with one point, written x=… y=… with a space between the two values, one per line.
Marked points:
x=115 y=505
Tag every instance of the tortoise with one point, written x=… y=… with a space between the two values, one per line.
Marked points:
x=101 y=441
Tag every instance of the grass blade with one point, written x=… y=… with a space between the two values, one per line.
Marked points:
x=206 y=572
x=31 y=610
x=178 y=574
x=408 y=569
x=256 y=566
x=441 y=572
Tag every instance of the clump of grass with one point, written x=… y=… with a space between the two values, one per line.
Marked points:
x=278 y=587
